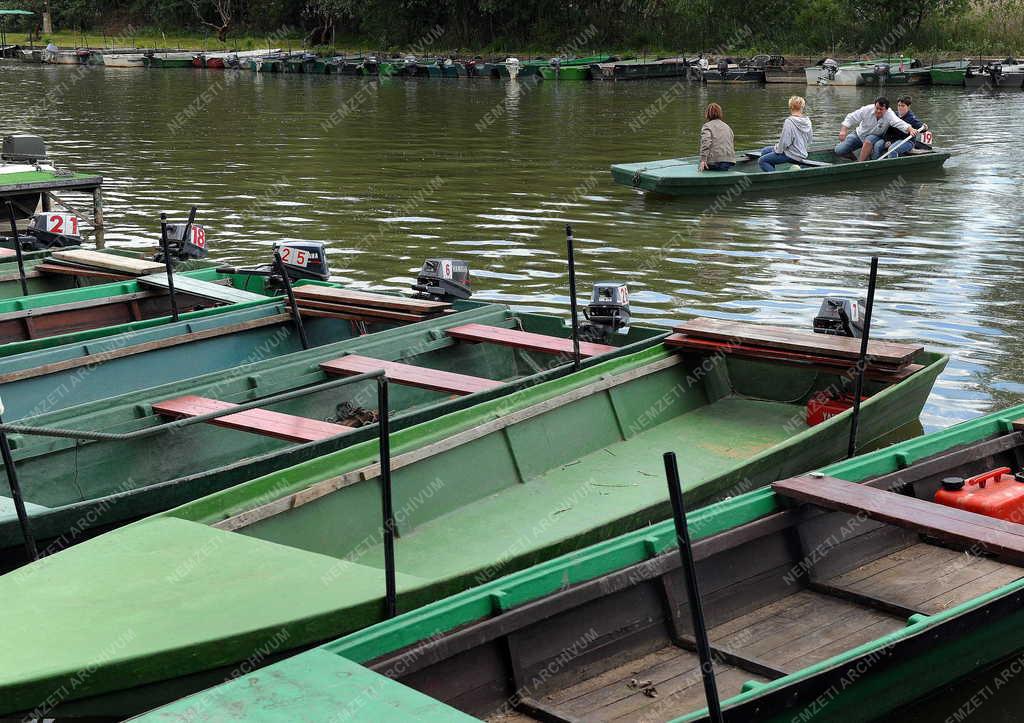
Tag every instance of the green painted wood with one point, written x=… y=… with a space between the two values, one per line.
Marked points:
x=581 y=472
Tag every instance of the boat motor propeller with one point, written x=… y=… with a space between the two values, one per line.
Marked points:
x=608 y=310
x=444 y=280
x=839 y=317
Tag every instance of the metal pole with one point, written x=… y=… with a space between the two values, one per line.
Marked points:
x=17 y=249
x=862 y=360
x=572 y=300
x=19 y=501
x=387 y=508
x=287 y=283
x=700 y=630
x=168 y=265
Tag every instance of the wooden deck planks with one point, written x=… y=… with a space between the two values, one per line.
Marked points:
x=111 y=262
x=524 y=340
x=259 y=421
x=335 y=295
x=435 y=379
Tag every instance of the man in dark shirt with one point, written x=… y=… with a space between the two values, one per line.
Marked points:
x=893 y=136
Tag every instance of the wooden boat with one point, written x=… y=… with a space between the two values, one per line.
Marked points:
x=441 y=68
x=480 y=492
x=995 y=75
x=641 y=69
x=951 y=73
x=168 y=467
x=170 y=60
x=885 y=74
x=734 y=74
x=828 y=72
x=824 y=600
x=124 y=60
x=571 y=68
x=777 y=69
x=679 y=176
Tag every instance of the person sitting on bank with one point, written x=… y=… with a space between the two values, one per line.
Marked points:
x=894 y=137
x=796 y=137
x=717 y=152
x=871 y=122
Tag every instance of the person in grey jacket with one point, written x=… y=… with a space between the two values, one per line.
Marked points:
x=796 y=137
x=871 y=121
x=716 y=142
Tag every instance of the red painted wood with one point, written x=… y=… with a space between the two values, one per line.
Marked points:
x=259 y=421
x=6 y=252
x=414 y=376
x=525 y=340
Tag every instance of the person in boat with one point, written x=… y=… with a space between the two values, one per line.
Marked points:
x=869 y=124
x=717 y=152
x=794 y=141
x=894 y=136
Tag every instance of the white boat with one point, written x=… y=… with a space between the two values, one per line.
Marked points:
x=124 y=59
x=829 y=72
x=54 y=55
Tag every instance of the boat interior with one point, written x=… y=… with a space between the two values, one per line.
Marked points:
x=841 y=565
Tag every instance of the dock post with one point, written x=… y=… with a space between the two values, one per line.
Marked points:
x=700 y=630
x=17 y=249
x=97 y=216
x=168 y=264
x=19 y=501
x=862 y=358
x=387 y=506
x=572 y=299
x=296 y=314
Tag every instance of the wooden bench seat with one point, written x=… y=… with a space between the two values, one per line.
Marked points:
x=414 y=376
x=334 y=295
x=258 y=421
x=524 y=340
x=999 y=537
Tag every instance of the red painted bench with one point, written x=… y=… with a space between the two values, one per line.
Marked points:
x=525 y=340
x=258 y=421
x=414 y=376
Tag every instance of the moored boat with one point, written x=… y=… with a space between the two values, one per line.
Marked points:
x=883 y=74
x=124 y=60
x=571 y=461
x=642 y=69
x=996 y=75
x=169 y=60
x=572 y=68
x=822 y=600
x=951 y=73
x=831 y=72
x=680 y=176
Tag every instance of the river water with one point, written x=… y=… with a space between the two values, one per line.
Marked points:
x=391 y=172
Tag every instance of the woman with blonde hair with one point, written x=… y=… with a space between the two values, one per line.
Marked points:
x=716 y=142
x=796 y=137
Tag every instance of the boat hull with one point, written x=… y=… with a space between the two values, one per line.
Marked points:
x=1004 y=80
x=565 y=72
x=941 y=76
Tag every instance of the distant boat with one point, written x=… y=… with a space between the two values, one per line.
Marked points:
x=124 y=60
x=830 y=72
x=949 y=73
x=573 y=68
x=997 y=75
x=640 y=69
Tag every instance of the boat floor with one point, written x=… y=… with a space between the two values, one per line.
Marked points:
x=596 y=490
x=789 y=634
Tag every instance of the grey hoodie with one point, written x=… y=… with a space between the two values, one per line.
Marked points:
x=796 y=136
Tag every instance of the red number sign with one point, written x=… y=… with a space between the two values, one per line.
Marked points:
x=65 y=223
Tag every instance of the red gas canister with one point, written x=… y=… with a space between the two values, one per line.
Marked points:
x=820 y=408
x=998 y=493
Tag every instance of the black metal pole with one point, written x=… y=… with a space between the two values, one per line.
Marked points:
x=19 y=501
x=168 y=265
x=862 y=359
x=572 y=299
x=387 y=508
x=287 y=283
x=700 y=630
x=17 y=249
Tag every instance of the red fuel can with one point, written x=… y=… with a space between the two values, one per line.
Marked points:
x=821 y=408
x=996 y=494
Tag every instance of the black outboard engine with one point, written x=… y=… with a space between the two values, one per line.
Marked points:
x=882 y=72
x=829 y=68
x=608 y=310
x=444 y=280
x=51 y=230
x=182 y=249
x=839 y=317
x=995 y=70
x=305 y=260
x=723 y=69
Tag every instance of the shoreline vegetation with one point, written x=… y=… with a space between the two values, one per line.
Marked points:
x=801 y=29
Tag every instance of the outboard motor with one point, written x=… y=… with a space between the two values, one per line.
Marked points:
x=723 y=69
x=995 y=70
x=22 y=148
x=49 y=230
x=882 y=72
x=180 y=248
x=829 y=68
x=304 y=260
x=444 y=280
x=608 y=310
x=839 y=317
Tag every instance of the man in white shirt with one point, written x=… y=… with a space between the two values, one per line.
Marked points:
x=871 y=121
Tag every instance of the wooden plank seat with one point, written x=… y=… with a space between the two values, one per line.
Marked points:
x=999 y=537
x=524 y=340
x=75 y=270
x=350 y=297
x=881 y=353
x=435 y=379
x=108 y=262
x=212 y=290
x=7 y=253
x=258 y=421
x=831 y=365
x=345 y=311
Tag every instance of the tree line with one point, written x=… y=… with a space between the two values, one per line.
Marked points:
x=811 y=26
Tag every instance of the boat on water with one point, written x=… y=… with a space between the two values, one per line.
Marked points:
x=951 y=73
x=74 y=56
x=777 y=69
x=883 y=74
x=642 y=69
x=680 y=176
x=831 y=72
x=572 y=68
x=996 y=75
x=227 y=59
x=844 y=595
x=572 y=461
x=446 y=68
x=177 y=59
x=727 y=71
x=124 y=60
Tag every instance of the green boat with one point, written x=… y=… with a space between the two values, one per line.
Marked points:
x=66 y=482
x=180 y=599
x=858 y=610
x=170 y=60
x=681 y=177
x=949 y=73
x=571 y=69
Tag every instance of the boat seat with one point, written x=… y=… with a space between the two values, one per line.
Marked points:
x=437 y=380
x=288 y=427
x=524 y=340
x=999 y=537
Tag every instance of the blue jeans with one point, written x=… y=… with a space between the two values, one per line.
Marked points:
x=769 y=159
x=905 y=148
x=721 y=166
x=853 y=144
